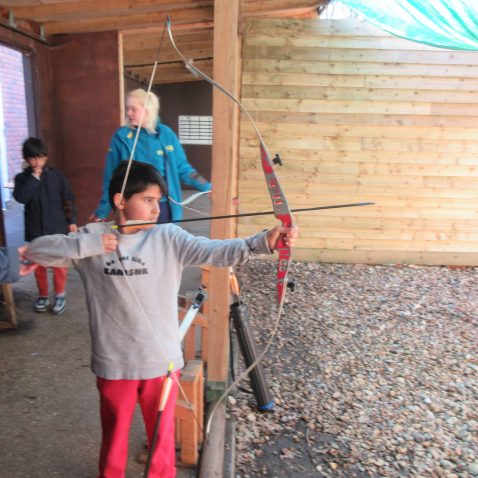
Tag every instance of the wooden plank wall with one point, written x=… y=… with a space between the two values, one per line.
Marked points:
x=359 y=115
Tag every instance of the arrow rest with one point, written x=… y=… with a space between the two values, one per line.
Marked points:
x=277 y=160
x=291 y=285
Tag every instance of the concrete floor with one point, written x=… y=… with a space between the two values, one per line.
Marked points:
x=49 y=420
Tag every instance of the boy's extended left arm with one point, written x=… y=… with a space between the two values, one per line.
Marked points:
x=222 y=253
x=230 y=252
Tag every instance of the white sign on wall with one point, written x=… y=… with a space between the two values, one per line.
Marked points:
x=195 y=129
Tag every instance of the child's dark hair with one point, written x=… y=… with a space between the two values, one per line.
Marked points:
x=141 y=175
x=33 y=147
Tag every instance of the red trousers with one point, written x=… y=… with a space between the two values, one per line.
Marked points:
x=118 y=399
x=59 y=280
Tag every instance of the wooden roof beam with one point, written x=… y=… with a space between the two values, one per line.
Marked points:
x=280 y=7
x=296 y=14
x=177 y=28
x=70 y=11
x=174 y=72
x=25 y=28
x=167 y=54
x=188 y=16
x=140 y=42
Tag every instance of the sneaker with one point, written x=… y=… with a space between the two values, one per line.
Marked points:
x=41 y=304
x=59 y=307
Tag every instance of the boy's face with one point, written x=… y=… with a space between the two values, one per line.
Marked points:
x=143 y=206
x=37 y=162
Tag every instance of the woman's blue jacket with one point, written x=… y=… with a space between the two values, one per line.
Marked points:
x=161 y=149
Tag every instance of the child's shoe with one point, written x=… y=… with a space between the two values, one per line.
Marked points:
x=41 y=304
x=60 y=304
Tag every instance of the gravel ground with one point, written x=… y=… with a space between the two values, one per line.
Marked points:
x=373 y=370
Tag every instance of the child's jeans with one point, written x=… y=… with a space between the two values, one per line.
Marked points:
x=118 y=399
x=59 y=280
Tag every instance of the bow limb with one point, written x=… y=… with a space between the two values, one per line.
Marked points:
x=279 y=203
x=141 y=119
x=281 y=211
x=283 y=214
x=190 y=199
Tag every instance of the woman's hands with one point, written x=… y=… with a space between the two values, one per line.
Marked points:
x=94 y=218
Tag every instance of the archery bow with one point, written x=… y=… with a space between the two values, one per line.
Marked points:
x=279 y=202
x=281 y=211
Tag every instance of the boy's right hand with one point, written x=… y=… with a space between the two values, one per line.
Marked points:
x=110 y=242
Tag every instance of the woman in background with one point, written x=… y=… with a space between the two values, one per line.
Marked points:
x=157 y=145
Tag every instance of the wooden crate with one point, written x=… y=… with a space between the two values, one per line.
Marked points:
x=189 y=416
x=190 y=409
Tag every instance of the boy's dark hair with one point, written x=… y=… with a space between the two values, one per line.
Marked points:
x=141 y=175
x=33 y=147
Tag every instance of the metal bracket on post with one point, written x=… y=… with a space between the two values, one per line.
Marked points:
x=11 y=19
x=214 y=390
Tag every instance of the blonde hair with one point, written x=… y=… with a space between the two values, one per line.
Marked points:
x=150 y=103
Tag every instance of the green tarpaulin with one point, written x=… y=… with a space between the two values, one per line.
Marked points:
x=442 y=23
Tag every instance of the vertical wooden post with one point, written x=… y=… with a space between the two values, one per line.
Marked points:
x=224 y=182
x=122 y=92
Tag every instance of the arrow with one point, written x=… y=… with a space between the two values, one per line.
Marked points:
x=229 y=216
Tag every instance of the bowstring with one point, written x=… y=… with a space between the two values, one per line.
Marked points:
x=143 y=113
x=197 y=72
x=125 y=181
x=183 y=205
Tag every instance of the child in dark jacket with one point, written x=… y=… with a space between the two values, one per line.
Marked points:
x=49 y=209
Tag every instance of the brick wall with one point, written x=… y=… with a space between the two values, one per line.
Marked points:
x=14 y=107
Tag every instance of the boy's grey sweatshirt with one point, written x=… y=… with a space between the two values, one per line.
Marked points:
x=132 y=293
